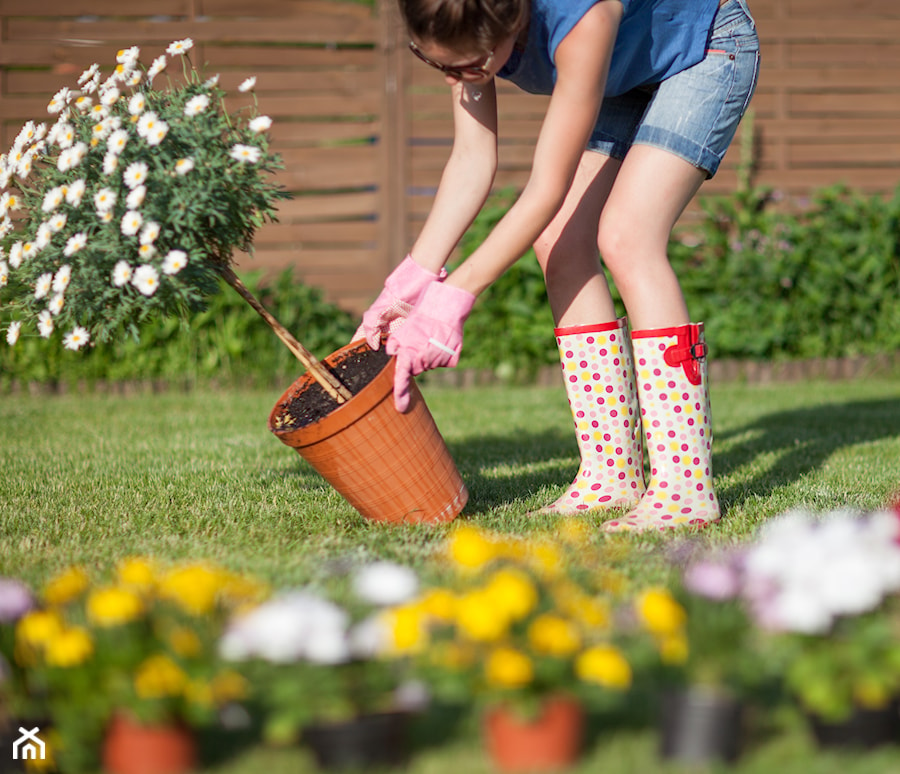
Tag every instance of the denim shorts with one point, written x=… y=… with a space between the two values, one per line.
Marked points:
x=695 y=113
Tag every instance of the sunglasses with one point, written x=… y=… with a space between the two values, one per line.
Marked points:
x=479 y=71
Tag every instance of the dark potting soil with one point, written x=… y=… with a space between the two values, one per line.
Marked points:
x=313 y=404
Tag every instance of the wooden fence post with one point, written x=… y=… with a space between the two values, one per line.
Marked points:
x=394 y=133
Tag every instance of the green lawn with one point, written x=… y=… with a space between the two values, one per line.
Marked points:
x=90 y=478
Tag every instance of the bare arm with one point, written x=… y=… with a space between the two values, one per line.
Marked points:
x=582 y=60
x=467 y=177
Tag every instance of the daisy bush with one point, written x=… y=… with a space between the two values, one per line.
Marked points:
x=129 y=199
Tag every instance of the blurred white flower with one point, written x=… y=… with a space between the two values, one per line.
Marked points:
x=183 y=166
x=149 y=233
x=62 y=278
x=110 y=163
x=76 y=338
x=196 y=105
x=56 y=303
x=248 y=84
x=117 y=141
x=247 y=154
x=57 y=222
x=137 y=104
x=157 y=134
x=174 y=262
x=136 y=197
x=131 y=223
x=12 y=332
x=43 y=285
x=180 y=47
x=4 y=273
x=147 y=123
x=45 y=324
x=156 y=67
x=385 y=583
x=75 y=243
x=75 y=192
x=105 y=199
x=145 y=279
x=135 y=174
x=260 y=124
x=121 y=274
x=53 y=199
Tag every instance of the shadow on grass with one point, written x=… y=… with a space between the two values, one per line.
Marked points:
x=801 y=440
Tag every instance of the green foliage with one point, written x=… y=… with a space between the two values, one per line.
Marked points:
x=227 y=341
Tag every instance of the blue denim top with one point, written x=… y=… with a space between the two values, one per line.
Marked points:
x=656 y=39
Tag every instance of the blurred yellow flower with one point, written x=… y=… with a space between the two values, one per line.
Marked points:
x=185 y=642
x=673 y=648
x=576 y=532
x=195 y=587
x=660 y=612
x=38 y=627
x=872 y=693
x=439 y=604
x=114 y=606
x=546 y=558
x=70 y=647
x=407 y=629
x=229 y=685
x=508 y=668
x=477 y=617
x=512 y=593
x=605 y=666
x=553 y=635
x=66 y=586
x=470 y=547
x=158 y=677
x=199 y=692
x=137 y=572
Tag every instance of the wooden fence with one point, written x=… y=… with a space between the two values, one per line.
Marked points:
x=364 y=128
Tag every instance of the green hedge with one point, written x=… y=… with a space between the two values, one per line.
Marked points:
x=769 y=284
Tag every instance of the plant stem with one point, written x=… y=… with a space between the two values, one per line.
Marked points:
x=328 y=381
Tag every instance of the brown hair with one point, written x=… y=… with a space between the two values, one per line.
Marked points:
x=464 y=24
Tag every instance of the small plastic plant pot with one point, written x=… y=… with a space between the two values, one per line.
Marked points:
x=391 y=467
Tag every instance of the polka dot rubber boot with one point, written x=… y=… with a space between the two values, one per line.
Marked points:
x=670 y=366
x=599 y=375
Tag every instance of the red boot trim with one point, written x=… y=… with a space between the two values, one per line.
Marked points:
x=688 y=351
x=594 y=328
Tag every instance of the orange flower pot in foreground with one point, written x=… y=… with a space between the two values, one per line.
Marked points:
x=130 y=748
x=391 y=467
x=549 y=742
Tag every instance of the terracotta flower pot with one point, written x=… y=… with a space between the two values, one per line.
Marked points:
x=700 y=726
x=131 y=748
x=548 y=742
x=369 y=741
x=391 y=467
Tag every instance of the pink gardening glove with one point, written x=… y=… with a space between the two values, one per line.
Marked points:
x=431 y=338
x=402 y=290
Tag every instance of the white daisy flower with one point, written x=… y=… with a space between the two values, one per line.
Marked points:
x=248 y=84
x=90 y=86
x=246 y=154
x=57 y=222
x=149 y=233
x=156 y=135
x=83 y=103
x=135 y=174
x=29 y=250
x=43 y=285
x=44 y=235
x=23 y=170
x=6 y=226
x=134 y=79
x=8 y=203
x=117 y=141
x=121 y=274
x=109 y=96
x=180 y=47
x=74 y=192
x=4 y=273
x=100 y=130
x=66 y=160
x=76 y=338
x=25 y=135
x=53 y=199
x=131 y=223
x=15 y=255
x=99 y=112
x=105 y=217
x=105 y=199
x=145 y=279
x=183 y=166
x=147 y=123
x=128 y=55
x=45 y=324
x=88 y=74
x=110 y=163
x=65 y=135
x=79 y=151
x=56 y=304
x=146 y=252
x=74 y=244
x=12 y=332
x=210 y=82
x=59 y=101
x=62 y=278
x=136 y=197
x=196 y=105
x=260 y=124
x=137 y=104
x=156 y=67
x=174 y=262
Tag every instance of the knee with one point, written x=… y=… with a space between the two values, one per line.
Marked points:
x=617 y=244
